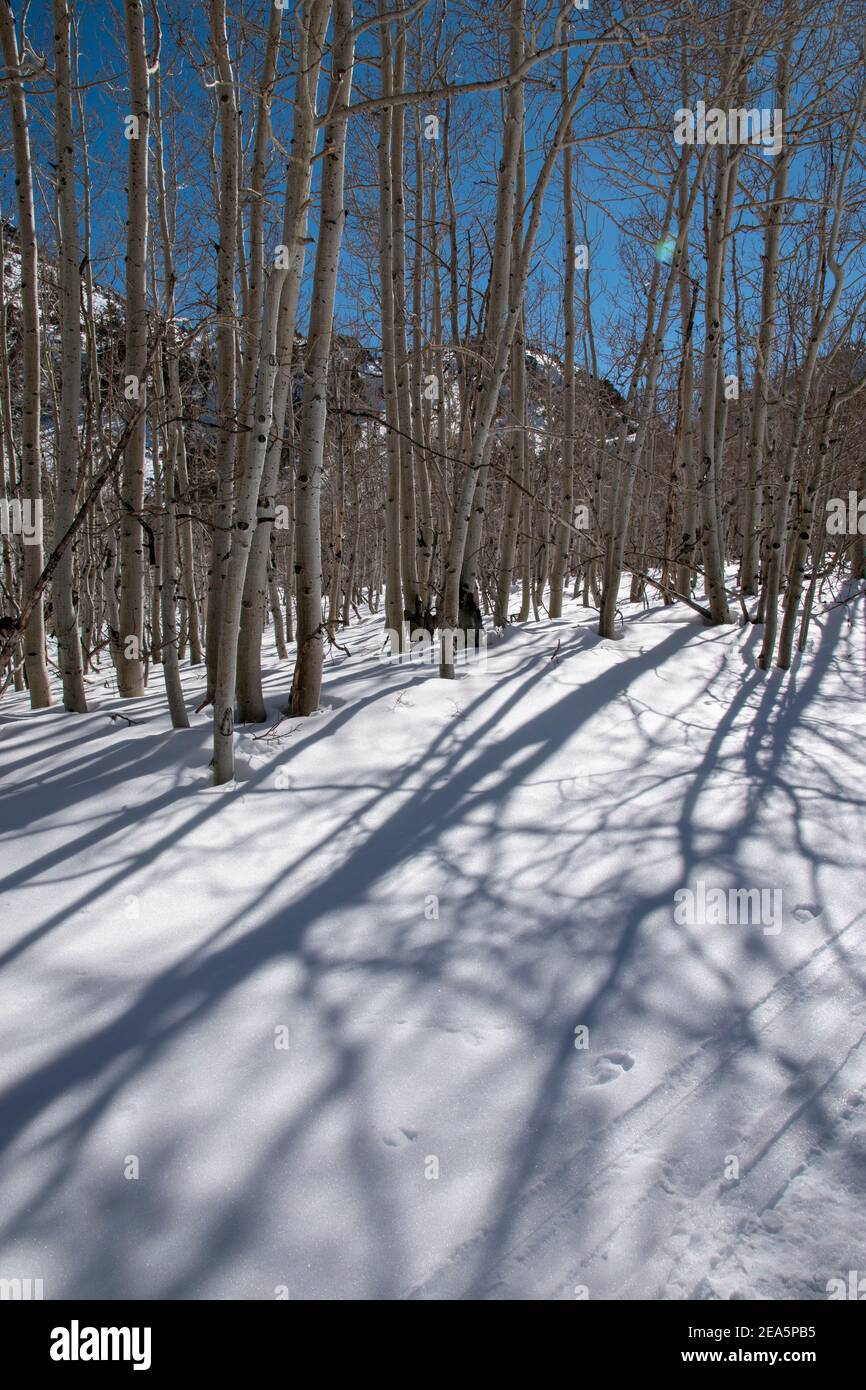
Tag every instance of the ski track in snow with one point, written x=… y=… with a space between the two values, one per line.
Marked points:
x=332 y=1010
x=705 y=1214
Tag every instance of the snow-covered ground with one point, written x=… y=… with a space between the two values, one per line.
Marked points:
x=328 y=1014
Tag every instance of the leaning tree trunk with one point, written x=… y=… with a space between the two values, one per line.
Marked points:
x=256 y=583
x=504 y=286
x=243 y=522
x=799 y=549
x=502 y=343
x=313 y=22
x=631 y=444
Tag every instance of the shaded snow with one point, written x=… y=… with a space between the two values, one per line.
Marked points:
x=160 y=936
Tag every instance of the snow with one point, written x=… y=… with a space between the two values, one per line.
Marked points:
x=12 y=273
x=292 y=998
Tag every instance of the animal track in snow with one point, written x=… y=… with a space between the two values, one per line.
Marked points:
x=396 y=1138
x=470 y=1035
x=609 y=1066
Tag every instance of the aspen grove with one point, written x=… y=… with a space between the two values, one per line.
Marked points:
x=400 y=361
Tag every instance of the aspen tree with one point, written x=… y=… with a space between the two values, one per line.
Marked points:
x=803 y=534
x=167 y=577
x=256 y=581
x=504 y=272
x=563 y=532
x=394 y=549
x=66 y=483
x=307 y=681
x=254 y=195
x=681 y=492
x=501 y=349
x=35 y=664
x=101 y=567
x=176 y=434
x=684 y=459
x=8 y=465
x=289 y=549
x=420 y=416
x=276 y=612
x=805 y=531
x=226 y=332
x=312 y=24
x=649 y=358
x=632 y=434
x=354 y=538
x=711 y=407
x=243 y=522
x=766 y=338
x=713 y=341
x=405 y=414
x=822 y=317
x=130 y=653
x=337 y=524
x=515 y=498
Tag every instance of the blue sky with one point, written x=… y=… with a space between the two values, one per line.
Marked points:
x=602 y=168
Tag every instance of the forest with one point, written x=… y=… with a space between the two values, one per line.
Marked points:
x=433 y=529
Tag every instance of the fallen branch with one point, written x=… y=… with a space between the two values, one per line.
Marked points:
x=669 y=589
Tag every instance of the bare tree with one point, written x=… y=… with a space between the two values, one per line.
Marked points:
x=130 y=662
x=307 y=680
x=35 y=664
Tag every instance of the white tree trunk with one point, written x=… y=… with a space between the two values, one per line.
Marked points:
x=243 y=522
x=307 y=682
x=66 y=483
x=35 y=664
x=226 y=367
x=312 y=23
x=130 y=663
